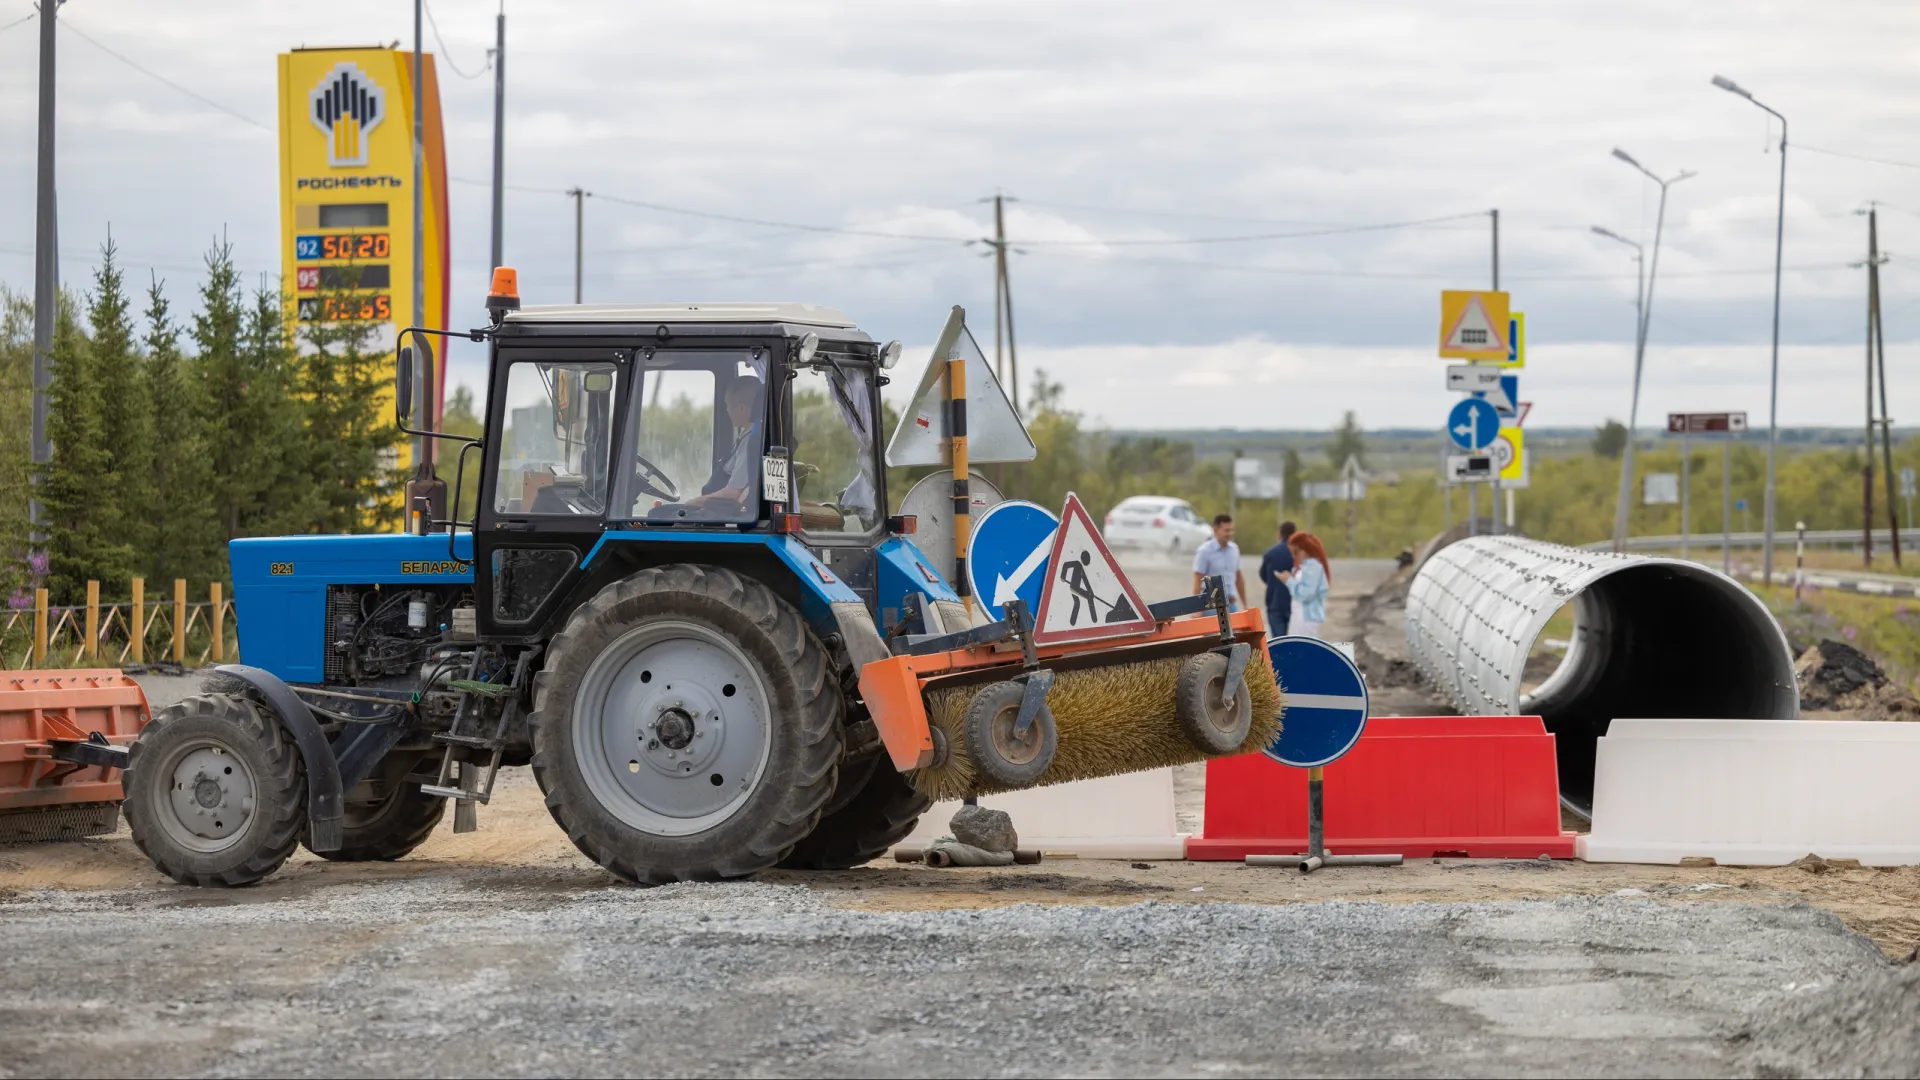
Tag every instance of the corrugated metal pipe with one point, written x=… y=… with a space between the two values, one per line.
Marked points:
x=1652 y=637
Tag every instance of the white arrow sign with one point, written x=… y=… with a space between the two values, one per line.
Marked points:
x=1007 y=588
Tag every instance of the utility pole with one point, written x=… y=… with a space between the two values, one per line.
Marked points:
x=579 y=228
x=423 y=378
x=1880 y=351
x=1495 y=508
x=1003 y=304
x=499 y=135
x=46 y=267
x=1866 y=463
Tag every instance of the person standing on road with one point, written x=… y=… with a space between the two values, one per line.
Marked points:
x=1276 y=568
x=1312 y=580
x=1220 y=557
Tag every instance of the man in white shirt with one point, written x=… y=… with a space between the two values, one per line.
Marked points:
x=1220 y=557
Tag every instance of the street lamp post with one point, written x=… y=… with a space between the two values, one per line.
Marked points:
x=1640 y=347
x=1773 y=384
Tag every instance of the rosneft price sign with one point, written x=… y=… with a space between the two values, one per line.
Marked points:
x=346 y=201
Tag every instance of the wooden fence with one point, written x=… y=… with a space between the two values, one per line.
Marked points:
x=137 y=631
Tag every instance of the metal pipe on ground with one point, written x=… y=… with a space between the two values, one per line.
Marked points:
x=1652 y=638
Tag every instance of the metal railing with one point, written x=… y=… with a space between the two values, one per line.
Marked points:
x=1820 y=537
x=134 y=631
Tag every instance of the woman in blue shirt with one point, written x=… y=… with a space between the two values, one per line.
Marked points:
x=1312 y=580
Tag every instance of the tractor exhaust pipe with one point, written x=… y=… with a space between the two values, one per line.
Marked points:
x=1652 y=638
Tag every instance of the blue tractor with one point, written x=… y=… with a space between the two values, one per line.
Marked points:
x=679 y=560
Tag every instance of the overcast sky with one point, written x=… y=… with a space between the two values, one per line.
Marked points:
x=1118 y=127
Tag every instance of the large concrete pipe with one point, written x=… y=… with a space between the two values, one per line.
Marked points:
x=1652 y=637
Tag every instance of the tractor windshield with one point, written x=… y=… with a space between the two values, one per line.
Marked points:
x=559 y=428
x=833 y=453
x=694 y=449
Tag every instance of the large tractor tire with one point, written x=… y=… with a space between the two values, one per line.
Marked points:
x=389 y=829
x=686 y=726
x=882 y=809
x=216 y=793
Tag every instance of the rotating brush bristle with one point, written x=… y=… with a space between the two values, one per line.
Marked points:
x=1110 y=720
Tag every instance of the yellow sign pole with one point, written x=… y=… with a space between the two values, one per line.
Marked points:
x=962 y=500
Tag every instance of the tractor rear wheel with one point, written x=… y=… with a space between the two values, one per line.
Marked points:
x=389 y=829
x=686 y=726
x=881 y=812
x=216 y=794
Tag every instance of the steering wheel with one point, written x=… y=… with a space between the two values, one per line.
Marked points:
x=653 y=480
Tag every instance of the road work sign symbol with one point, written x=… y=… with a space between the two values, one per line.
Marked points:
x=1473 y=325
x=1007 y=557
x=1325 y=702
x=1472 y=424
x=1086 y=597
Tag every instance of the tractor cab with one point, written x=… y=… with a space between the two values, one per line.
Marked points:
x=640 y=426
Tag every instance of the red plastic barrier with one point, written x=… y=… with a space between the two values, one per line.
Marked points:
x=1481 y=787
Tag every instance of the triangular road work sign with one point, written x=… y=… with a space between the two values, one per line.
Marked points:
x=1086 y=597
x=1473 y=325
x=994 y=430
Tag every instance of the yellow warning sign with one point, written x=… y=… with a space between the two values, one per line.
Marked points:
x=1473 y=325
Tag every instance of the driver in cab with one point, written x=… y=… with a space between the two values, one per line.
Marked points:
x=726 y=492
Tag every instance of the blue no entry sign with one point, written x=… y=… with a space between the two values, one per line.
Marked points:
x=1325 y=699
x=1473 y=424
x=1007 y=556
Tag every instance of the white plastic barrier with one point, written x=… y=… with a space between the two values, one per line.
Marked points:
x=1756 y=792
x=1114 y=817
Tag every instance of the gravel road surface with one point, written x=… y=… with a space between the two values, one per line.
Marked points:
x=502 y=974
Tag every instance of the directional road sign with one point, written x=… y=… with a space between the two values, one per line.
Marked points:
x=1007 y=556
x=1473 y=378
x=1472 y=424
x=1516 y=342
x=1325 y=701
x=1086 y=597
x=1473 y=325
x=1698 y=423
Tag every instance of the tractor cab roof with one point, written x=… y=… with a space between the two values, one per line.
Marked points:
x=655 y=314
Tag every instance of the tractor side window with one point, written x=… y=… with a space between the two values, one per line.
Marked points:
x=559 y=431
x=833 y=458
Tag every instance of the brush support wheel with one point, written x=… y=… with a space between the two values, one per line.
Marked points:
x=1001 y=757
x=1209 y=721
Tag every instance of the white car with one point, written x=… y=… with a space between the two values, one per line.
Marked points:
x=1155 y=523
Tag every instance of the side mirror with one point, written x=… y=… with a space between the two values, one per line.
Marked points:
x=403 y=384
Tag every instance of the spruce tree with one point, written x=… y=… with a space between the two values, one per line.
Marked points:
x=251 y=422
x=16 y=450
x=185 y=529
x=126 y=415
x=350 y=438
x=76 y=482
x=291 y=494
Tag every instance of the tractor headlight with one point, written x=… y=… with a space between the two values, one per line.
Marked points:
x=808 y=346
x=889 y=355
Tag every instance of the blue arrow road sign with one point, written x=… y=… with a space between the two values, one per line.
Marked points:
x=1473 y=424
x=1325 y=700
x=1007 y=556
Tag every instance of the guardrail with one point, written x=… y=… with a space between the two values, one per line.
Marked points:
x=1781 y=538
x=188 y=633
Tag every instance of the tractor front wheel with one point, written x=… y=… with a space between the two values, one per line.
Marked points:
x=686 y=726
x=389 y=829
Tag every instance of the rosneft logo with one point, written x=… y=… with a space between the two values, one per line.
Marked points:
x=346 y=107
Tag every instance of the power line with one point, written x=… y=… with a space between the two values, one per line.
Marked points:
x=1857 y=157
x=448 y=56
x=1253 y=237
x=67 y=24
x=28 y=17
x=772 y=224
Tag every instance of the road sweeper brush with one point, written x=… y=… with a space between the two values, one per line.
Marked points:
x=989 y=710
x=63 y=735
